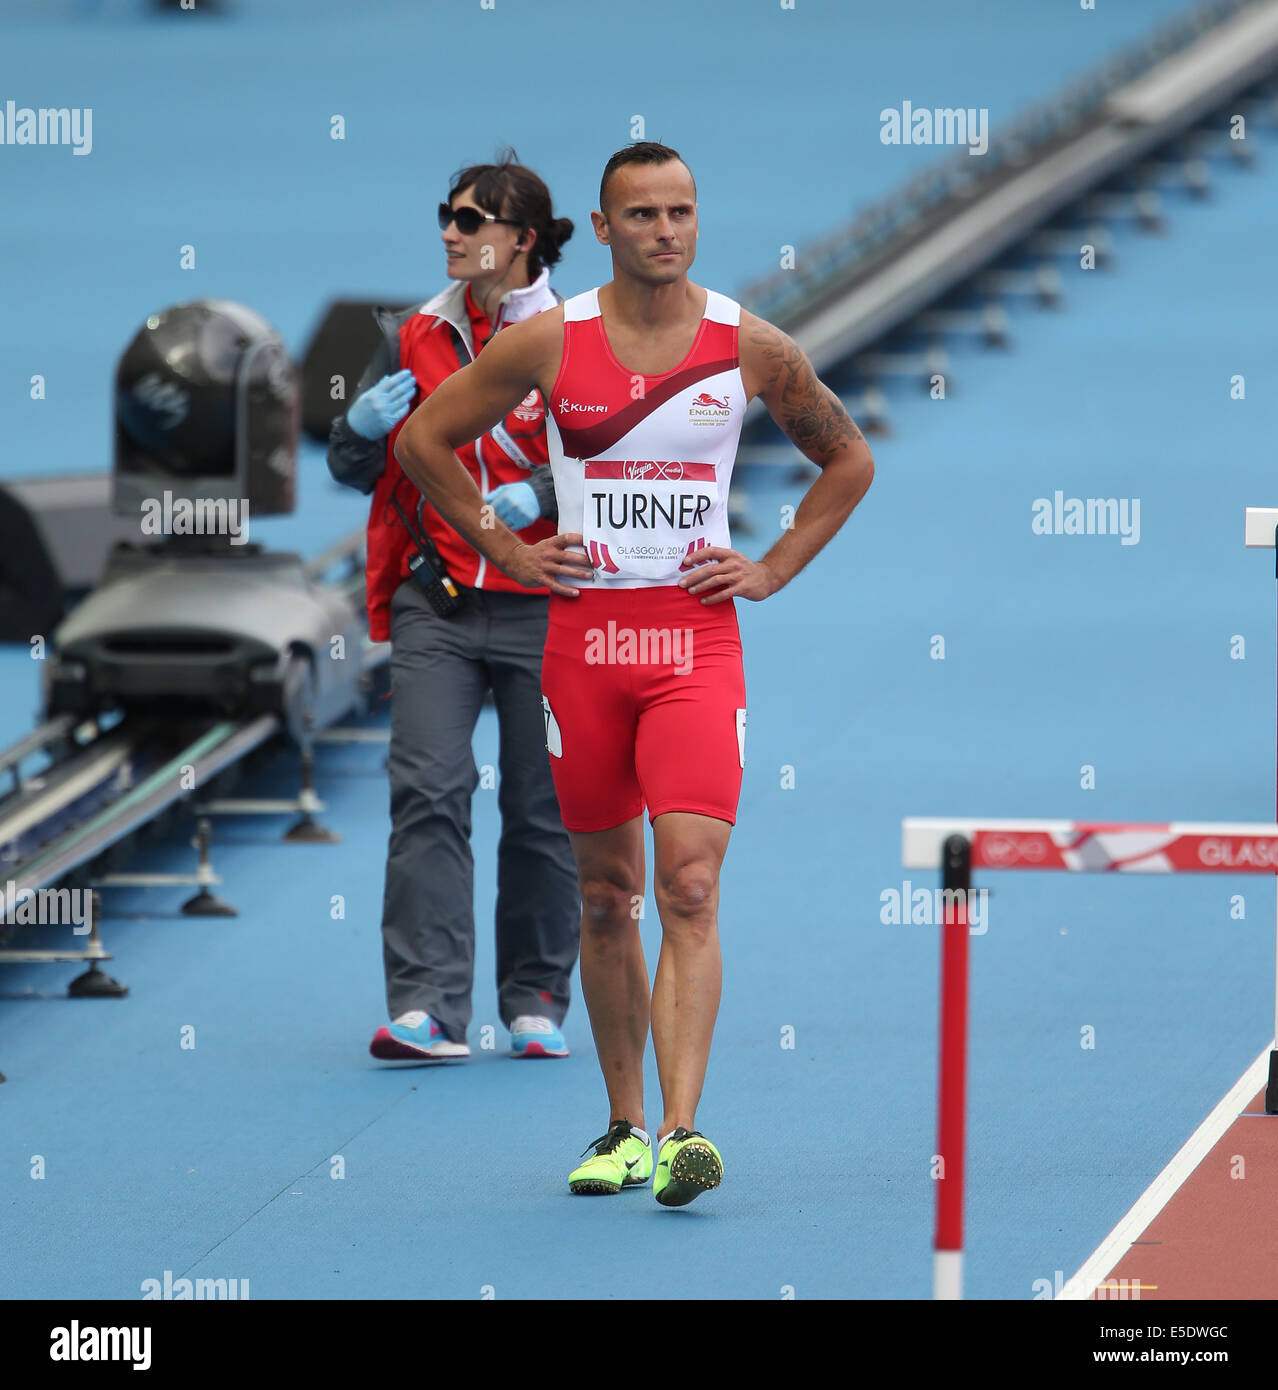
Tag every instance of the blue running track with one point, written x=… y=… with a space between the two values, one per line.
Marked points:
x=275 y=1150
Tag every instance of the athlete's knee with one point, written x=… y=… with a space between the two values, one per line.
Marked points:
x=688 y=891
x=609 y=901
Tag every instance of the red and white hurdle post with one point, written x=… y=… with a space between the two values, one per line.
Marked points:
x=959 y=846
x=956 y=877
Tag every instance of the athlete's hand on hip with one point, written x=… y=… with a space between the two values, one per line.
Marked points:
x=721 y=574
x=374 y=414
x=548 y=563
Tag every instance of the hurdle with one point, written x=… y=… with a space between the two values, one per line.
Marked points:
x=957 y=846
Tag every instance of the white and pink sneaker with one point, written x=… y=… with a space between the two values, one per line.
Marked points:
x=415 y=1037
x=534 y=1036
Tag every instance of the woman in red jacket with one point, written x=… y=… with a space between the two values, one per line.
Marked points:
x=459 y=629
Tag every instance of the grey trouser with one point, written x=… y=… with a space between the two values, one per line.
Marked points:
x=440 y=671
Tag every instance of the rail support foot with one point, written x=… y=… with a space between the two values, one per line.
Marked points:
x=205 y=904
x=308 y=830
x=96 y=984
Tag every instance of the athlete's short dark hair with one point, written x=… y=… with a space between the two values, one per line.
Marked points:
x=642 y=152
x=508 y=189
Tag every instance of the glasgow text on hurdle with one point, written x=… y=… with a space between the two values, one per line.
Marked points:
x=1226 y=854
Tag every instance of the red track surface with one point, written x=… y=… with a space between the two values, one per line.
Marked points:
x=1216 y=1238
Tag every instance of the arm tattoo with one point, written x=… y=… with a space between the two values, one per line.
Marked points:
x=807 y=410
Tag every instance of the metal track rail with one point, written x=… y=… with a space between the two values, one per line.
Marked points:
x=32 y=859
x=55 y=731
x=101 y=786
x=194 y=764
x=861 y=302
x=46 y=797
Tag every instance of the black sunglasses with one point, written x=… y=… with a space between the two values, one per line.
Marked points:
x=469 y=220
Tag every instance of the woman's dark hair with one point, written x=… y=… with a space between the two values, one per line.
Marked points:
x=508 y=189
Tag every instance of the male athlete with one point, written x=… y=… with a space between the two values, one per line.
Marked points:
x=646 y=380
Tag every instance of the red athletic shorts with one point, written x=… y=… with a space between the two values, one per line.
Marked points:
x=644 y=698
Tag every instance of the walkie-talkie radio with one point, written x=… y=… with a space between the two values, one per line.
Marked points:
x=428 y=570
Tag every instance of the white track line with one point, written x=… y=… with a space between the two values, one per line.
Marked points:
x=1168 y=1182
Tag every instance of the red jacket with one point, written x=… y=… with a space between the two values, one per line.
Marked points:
x=435 y=341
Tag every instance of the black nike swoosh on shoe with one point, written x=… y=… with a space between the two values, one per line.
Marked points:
x=630 y=1162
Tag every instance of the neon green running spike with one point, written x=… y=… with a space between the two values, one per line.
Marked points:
x=620 y=1159
x=688 y=1165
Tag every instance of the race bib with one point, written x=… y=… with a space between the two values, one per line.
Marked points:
x=644 y=517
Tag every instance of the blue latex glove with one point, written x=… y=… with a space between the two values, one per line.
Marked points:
x=516 y=504
x=374 y=414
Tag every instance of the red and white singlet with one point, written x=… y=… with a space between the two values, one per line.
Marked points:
x=642 y=464
x=642 y=684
